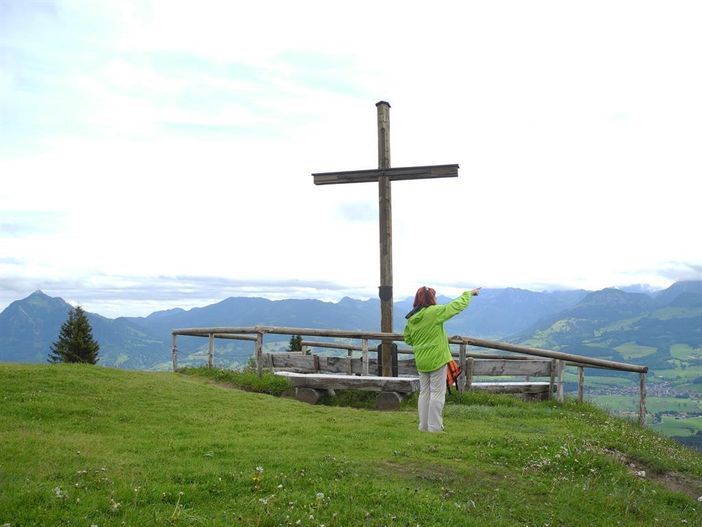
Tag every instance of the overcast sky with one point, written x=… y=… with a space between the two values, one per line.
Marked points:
x=159 y=153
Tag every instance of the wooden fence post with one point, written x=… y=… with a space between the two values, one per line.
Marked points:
x=259 y=354
x=642 y=400
x=364 y=358
x=560 y=366
x=581 y=383
x=552 y=382
x=469 y=372
x=462 y=365
x=210 y=350
x=174 y=353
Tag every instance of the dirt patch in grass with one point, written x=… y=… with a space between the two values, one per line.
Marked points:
x=433 y=473
x=673 y=481
x=423 y=471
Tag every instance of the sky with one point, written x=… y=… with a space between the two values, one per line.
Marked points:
x=158 y=154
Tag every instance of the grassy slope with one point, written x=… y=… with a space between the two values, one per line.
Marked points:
x=89 y=446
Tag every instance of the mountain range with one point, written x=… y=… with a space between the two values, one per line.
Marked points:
x=655 y=330
x=652 y=328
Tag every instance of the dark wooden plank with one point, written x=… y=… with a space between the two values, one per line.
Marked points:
x=536 y=368
x=394 y=174
x=346 y=382
x=512 y=387
x=291 y=362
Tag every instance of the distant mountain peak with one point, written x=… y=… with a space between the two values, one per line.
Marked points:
x=616 y=297
x=39 y=293
x=678 y=288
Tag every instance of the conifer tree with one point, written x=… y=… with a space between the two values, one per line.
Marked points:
x=75 y=342
x=295 y=343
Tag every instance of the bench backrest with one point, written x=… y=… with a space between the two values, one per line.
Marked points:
x=300 y=363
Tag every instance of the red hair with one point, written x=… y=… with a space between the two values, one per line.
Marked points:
x=426 y=296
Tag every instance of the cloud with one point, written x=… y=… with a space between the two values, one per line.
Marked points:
x=358 y=212
x=21 y=224
x=679 y=271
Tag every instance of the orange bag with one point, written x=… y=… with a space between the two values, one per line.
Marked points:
x=453 y=371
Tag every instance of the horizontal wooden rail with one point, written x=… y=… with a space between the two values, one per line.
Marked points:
x=409 y=351
x=578 y=359
x=251 y=338
x=307 y=332
x=350 y=347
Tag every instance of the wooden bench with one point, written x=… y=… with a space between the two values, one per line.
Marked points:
x=528 y=389
x=309 y=387
x=314 y=375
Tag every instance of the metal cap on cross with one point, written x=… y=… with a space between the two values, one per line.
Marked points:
x=384 y=175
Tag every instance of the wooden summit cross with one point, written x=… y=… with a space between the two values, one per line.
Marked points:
x=384 y=175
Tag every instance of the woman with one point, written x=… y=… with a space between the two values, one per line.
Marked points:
x=426 y=334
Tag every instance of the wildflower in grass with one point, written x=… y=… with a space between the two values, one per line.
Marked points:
x=178 y=508
x=257 y=478
x=60 y=493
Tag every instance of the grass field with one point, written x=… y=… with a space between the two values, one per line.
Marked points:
x=84 y=446
x=672 y=426
x=684 y=352
x=680 y=374
x=653 y=404
x=631 y=350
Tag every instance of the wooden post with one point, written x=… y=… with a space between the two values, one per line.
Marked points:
x=385 y=215
x=259 y=354
x=210 y=350
x=552 y=382
x=174 y=353
x=469 y=372
x=560 y=366
x=642 y=400
x=364 y=357
x=462 y=365
x=581 y=383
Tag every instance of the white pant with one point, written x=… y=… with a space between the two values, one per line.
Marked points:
x=432 y=393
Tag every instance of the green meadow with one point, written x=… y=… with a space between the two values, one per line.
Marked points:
x=91 y=446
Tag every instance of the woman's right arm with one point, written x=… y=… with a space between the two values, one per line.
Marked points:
x=454 y=307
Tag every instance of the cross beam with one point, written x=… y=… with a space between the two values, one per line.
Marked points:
x=384 y=175
x=395 y=174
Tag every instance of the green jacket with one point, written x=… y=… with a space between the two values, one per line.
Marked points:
x=426 y=334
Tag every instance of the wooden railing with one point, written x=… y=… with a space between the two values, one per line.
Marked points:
x=256 y=335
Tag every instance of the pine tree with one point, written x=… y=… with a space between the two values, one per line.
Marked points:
x=295 y=343
x=75 y=342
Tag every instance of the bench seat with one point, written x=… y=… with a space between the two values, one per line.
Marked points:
x=320 y=381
